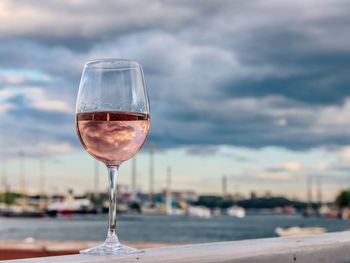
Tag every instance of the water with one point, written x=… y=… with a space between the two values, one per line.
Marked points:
x=177 y=229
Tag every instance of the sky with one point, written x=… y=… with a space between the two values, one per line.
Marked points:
x=257 y=91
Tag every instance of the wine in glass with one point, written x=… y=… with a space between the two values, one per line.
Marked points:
x=112 y=122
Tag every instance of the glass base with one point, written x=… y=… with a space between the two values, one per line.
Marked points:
x=111 y=249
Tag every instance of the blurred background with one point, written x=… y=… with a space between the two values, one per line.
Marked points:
x=250 y=113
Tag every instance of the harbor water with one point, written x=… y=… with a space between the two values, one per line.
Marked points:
x=172 y=229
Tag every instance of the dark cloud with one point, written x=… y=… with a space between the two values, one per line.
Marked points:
x=36 y=131
x=203 y=150
x=331 y=88
x=19 y=100
x=304 y=69
x=28 y=114
x=80 y=26
x=250 y=74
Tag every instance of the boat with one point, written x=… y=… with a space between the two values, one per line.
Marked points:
x=175 y=212
x=327 y=212
x=71 y=206
x=299 y=231
x=18 y=211
x=199 y=211
x=147 y=210
x=236 y=211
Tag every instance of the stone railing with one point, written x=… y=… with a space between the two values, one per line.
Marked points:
x=327 y=248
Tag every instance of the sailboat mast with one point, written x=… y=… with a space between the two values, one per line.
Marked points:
x=309 y=192
x=151 y=173
x=22 y=179
x=3 y=183
x=42 y=176
x=319 y=191
x=96 y=178
x=133 y=175
x=168 y=191
x=224 y=186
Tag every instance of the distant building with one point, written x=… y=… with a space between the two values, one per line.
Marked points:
x=268 y=194
x=188 y=196
x=238 y=196
x=253 y=195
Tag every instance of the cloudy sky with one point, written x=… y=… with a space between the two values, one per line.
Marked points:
x=254 y=90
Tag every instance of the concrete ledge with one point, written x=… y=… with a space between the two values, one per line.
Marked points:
x=19 y=249
x=328 y=248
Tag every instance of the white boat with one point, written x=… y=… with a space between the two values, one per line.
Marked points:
x=199 y=211
x=70 y=205
x=236 y=211
x=299 y=231
x=175 y=212
x=19 y=211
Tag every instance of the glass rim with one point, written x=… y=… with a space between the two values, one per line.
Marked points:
x=113 y=63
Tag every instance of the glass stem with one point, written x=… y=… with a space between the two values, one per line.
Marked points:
x=112 y=221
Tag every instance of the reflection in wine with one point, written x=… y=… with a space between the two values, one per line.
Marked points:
x=112 y=137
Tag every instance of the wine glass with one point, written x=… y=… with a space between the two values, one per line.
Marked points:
x=112 y=122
